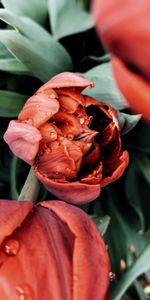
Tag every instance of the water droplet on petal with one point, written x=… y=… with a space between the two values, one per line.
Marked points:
x=11 y=247
x=25 y=292
x=112 y=276
x=81 y=121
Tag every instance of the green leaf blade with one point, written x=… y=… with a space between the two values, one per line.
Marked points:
x=11 y=103
x=67 y=18
x=105 y=89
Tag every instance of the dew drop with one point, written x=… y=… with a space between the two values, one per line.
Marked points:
x=25 y=292
x=112 y=276
x=11 y=247
x=81 y=121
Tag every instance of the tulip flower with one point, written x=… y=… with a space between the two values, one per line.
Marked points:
x=124 y=28
x=50 y=251
x=73 y=141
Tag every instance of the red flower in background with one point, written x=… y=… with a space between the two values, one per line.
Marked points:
x=51 y=251
x=125 y=30
x=73 y=141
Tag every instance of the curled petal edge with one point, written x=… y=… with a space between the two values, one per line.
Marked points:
x=71 y=192
x=66 y=79
x=124 y=160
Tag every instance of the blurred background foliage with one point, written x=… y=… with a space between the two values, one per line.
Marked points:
x=39 y=39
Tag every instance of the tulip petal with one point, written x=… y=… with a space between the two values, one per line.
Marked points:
x=134 y=88
x=12 y=214
x=66 y=246
x=90 y=259
x=46 y=242
x=66 y=79
x=73 y=94
x=125 y=30
x=39 y=109
x=71 y=192
x=23 y=139
x=118 y=168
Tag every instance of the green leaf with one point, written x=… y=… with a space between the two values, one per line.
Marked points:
x=141 y=265
x=43 y=62
x=105 y=89
x=35 y=9
x=137 y=191
x=12 y=65
x=66 y=18
x=139 y=290
x=138 y=139
x=101 y=222
x=11 y=103
x=39 y=48
x=9 y=63
x=101 y=59
x=128 y=122
x=4 y=53
x=143 y=161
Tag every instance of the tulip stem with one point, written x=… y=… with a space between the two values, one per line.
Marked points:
x=31 y=188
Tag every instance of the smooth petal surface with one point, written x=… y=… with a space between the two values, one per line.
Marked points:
x=133 y=87
x=71 y=192
x=66 y=79
x=23 y=139
x=53 y=245
x=125 y=30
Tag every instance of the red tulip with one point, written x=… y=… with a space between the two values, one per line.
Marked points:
x=125 y=30
x=50 y=251
x=72 y=140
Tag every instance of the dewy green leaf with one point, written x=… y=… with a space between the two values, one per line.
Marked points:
x=105 y=89
x=141 y=265
x=101 y=222
x=34 y=9
x=11 y=103
x=66 y=18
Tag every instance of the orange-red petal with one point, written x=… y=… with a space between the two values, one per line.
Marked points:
x=63 y=242
x=71 y=192
x=134 y=88
x=66 y=79
x=39 y=109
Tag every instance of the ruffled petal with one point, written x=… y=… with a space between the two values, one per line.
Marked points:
x=39 y=109
x=117 y=169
